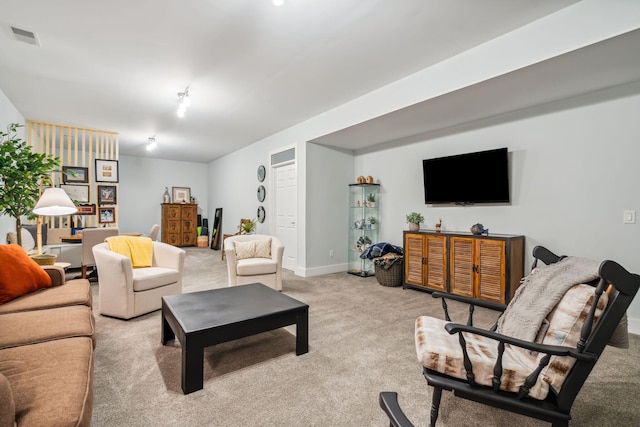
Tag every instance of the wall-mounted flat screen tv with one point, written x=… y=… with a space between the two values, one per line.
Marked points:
x=479 y=177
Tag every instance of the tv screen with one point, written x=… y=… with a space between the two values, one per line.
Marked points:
x=480 y=177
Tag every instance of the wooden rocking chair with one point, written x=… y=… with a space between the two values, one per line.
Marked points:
x=604 y=309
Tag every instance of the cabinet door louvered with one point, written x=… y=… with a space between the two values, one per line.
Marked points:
x=490 y=262
x=436 y=262
x=462 y=274
x=413 y=259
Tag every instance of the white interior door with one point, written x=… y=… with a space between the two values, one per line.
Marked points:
x=286 y=215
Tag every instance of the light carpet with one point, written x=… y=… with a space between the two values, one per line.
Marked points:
x=360 y=343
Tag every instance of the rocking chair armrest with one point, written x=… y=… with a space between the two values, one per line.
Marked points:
x=471 y=301
x=554 y=350
x=389 y=403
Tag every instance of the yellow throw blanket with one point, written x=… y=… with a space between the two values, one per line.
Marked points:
x=139 y=249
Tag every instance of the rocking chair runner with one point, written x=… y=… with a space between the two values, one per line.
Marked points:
x=614 y=291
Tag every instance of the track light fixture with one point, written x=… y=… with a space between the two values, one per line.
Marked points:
x=151 y=145
x=185 y=102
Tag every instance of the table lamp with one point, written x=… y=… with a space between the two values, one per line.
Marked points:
x=53 y=202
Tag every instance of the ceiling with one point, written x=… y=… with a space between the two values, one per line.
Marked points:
x=567 y=78
x=252 y=68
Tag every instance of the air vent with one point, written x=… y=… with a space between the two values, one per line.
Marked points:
x=25 y=36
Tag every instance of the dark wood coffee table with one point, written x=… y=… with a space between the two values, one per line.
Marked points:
x=202 y=319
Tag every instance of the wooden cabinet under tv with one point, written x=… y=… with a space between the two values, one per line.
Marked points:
x=483 y=267
x=179 y=224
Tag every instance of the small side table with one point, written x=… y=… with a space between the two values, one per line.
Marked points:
x=63 y=265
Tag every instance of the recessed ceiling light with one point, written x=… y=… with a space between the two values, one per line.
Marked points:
x=278 y=2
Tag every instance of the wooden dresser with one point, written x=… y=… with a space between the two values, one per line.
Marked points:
x=483 y=267
x=179 y=224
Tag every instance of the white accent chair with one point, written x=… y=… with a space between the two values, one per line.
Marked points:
x=126 y=292
x=243 y=268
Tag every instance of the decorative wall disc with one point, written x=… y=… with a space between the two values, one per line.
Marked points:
x=261 y=193
x=261 y=214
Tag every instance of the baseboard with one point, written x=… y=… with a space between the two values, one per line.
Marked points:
x=320 y=271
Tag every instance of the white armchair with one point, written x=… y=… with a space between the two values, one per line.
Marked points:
x=127 y=292
x=253 y=258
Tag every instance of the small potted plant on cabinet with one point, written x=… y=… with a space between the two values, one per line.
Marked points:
x=415 y=219
x=248 y=227
x=373 y=222
x=371 y=200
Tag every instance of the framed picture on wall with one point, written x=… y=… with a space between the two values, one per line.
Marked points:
x=77 y=193
x=106 y=170
x=106 y=215
x=107 y=194
x=86 y=209
x=181 y=194
x=71 y=174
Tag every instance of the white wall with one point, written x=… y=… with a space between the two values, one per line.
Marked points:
x=573 y=173
x=9 y=114
x=142 y=184
x=563 y=197
x=329 y=172
x=233 y=184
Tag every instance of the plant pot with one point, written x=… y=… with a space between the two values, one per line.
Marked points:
x=413 y=226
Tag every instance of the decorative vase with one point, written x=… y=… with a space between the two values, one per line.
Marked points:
x=166 y=198
x=413 y=226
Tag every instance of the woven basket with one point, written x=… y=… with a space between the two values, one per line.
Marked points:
x=390 y=277
x=44 y=259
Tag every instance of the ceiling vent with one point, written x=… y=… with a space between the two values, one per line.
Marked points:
x=25 y=36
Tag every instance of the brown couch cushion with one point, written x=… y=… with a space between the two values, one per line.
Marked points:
x=31 y=327
x=73 y=292
x=51 y=382
x=19 y=274
x=7 y=404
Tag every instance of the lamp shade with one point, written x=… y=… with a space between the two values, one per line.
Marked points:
x=54 y=202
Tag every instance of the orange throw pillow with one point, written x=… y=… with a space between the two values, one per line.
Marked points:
x=19 y=274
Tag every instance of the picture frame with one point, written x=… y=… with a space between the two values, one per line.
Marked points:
x=77 y=193
x=106 y=170
x=86 y=209
x=75 y=174
x=181 y=194
x=107 y=194
x=107 y=215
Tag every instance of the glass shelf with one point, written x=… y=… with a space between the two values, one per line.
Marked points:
x=363 y=203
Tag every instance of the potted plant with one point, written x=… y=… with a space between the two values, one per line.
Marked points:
x=363 y=243
x=371 y=199
x=248 y=227
x=415 y=219
x=372 y=220
x=22 y=175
